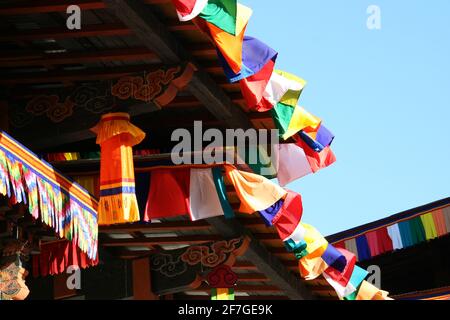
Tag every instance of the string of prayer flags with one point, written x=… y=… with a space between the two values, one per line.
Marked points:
x=197 y=192
x=189 y=9
x=403 y=234
x=116 y=137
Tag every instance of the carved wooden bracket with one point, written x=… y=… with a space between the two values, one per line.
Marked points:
x=184 y=269
x=222 y=277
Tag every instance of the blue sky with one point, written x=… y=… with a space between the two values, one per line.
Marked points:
x=384 y=93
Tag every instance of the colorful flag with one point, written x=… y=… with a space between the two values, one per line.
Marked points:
x=368 y=291
x=317 y=139
x=290 y=120
x=266 y=89
x=169 y=194
x=349 y=292
x=255 y=192
x=334 y=258
x=199 y=193
x=343 y=275
x=292 y=163
x=292 y=95
x=253 y=87
x=268 y=214
x=312 y=265
x=229 y=45
x=315 y=241
x=317 y=160
x=205 y=202
x=255 y=55
x=222 y=14
x=189 y=9
x=279 y=84
x=287 y=220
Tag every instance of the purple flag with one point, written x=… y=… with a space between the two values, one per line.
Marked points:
x=255 y=55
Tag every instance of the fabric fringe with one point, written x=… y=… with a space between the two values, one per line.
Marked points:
x=46 y=199
x=113 y=124
x=120 y=208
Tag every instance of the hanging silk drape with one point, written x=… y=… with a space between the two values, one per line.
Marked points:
x=55 y=257
x=116 y=137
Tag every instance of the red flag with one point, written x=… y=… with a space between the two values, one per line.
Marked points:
x=253 y=88
x=343 y=277
x=317 y=160
x=189 y=9
x=169 y=194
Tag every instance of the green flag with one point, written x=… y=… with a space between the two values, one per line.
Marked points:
x=222 y=14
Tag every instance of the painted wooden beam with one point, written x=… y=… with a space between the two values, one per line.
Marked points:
x=85 y=74
x=97 y=30
x=30 y=58
x=156 y=227
x=46 y=59
x=152 y=241
x=94 y=30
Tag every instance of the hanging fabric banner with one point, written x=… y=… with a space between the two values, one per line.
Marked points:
x=58 y=201
x=116 y=137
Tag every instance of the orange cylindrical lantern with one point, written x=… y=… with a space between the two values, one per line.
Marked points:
x=116 y=137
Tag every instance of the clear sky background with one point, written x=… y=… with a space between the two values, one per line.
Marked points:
x=384 y=93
